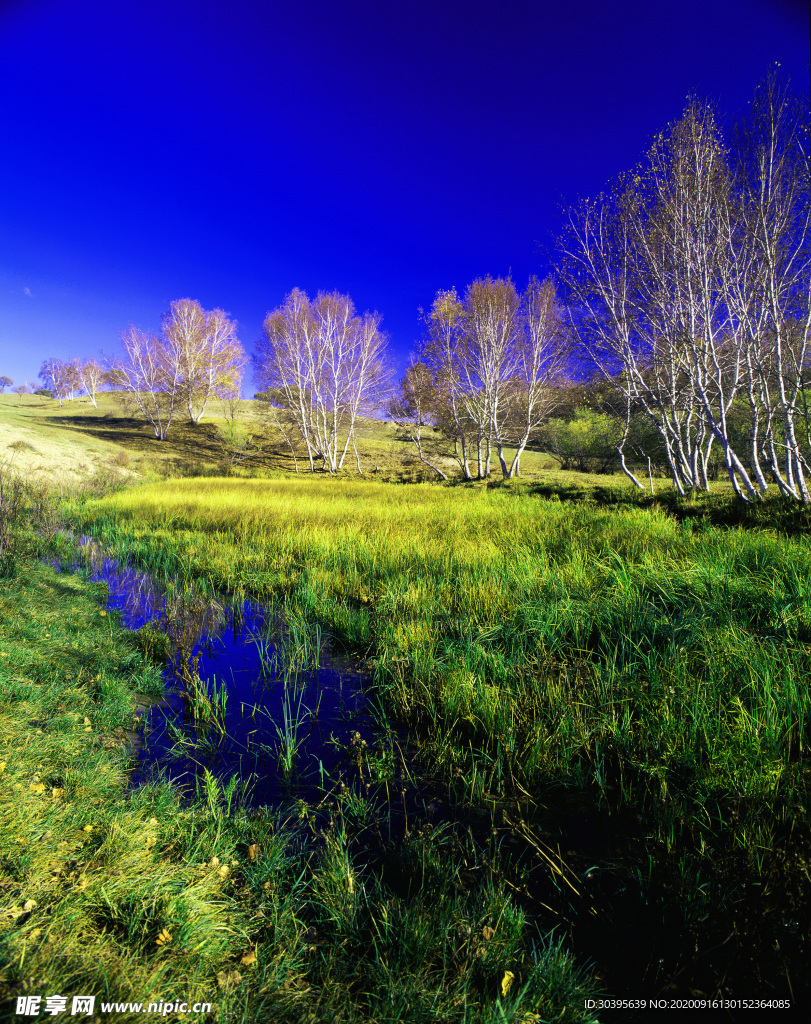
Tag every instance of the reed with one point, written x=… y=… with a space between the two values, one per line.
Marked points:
x=294 y=718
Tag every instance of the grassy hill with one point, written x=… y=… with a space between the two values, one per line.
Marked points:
x=79 y=440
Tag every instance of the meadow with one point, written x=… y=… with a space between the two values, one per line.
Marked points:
x=644 y=678
x=598 y=780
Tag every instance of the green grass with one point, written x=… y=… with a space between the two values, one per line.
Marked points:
x=553 y=653
x=148 y=895
x=486 y=611
x=73 y=442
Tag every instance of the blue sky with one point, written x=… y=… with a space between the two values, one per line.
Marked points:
x=229 y=151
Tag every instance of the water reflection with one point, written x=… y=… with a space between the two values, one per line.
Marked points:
x=248 y=691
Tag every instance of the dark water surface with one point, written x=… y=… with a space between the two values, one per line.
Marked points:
x=275 y=682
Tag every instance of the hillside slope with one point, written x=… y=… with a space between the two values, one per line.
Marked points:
x=77 y=440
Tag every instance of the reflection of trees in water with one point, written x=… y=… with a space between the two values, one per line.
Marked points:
x=185 y=613
x=189 y=616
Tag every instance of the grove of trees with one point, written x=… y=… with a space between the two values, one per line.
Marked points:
x=195 y=357
x=321 y=365
x=61 y=379
x=487 y=369
x=688 y=288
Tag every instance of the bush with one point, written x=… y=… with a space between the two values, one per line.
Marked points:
x=587 y=442
x=236 y=443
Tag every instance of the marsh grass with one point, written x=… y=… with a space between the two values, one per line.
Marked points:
x=208 y=706
x=294 y=717
x=143 y=895
x=631 y=660
x=290 y=646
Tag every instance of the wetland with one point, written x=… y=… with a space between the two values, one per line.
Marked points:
x=560 y=749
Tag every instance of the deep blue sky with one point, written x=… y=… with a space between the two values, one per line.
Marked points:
x=228 y=151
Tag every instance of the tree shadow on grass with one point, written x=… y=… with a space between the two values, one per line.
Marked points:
x=189 y=449
x=771 y=512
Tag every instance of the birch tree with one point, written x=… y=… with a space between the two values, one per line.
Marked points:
x=283 y=368
x=771 y=293
x=414 y=411
x=688 y=287
x=324 y=364
x=208 y=354
x=532 y=373
x=486 y=360
x=686 y=264
x=195 y=357
x=60 y=377
x=151 y=376
x=441 y=353
x=91 y=377
x=49 y=373
x=496 y=358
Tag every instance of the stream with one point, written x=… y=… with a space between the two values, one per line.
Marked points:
x=276 y=708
